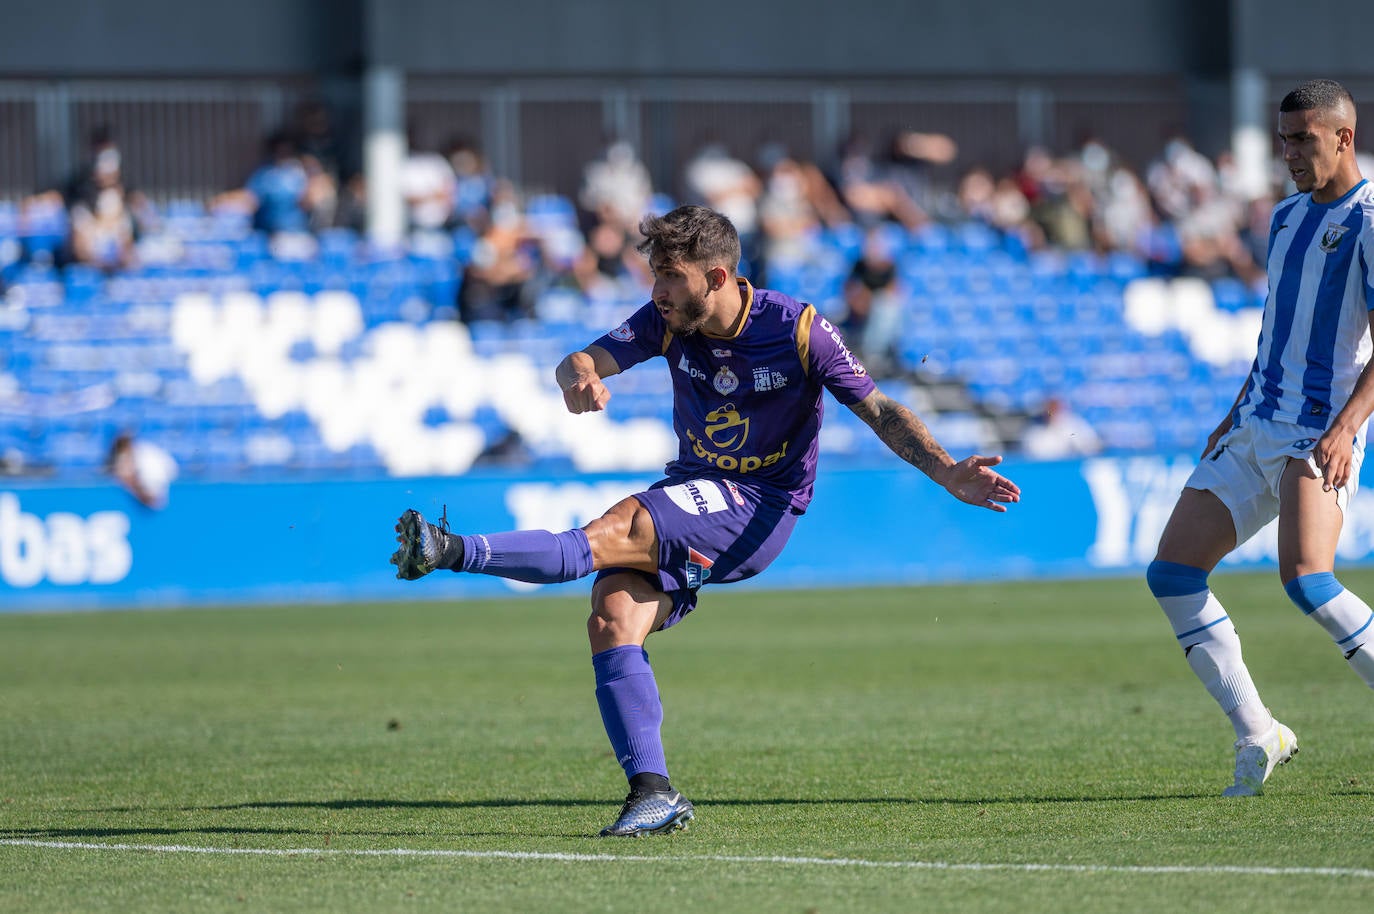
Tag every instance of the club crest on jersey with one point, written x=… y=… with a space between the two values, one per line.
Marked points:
x=698 y=569
x=1331 y=238
x=726 y=381
x=623 y=333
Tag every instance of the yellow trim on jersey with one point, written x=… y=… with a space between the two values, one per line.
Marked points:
x=667 y=338
x=803 y=338
x=747 y=295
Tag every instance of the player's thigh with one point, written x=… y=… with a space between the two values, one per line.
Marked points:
x=626 y=607
x=1310 y=520
x=1200 y=531
x=624 y=537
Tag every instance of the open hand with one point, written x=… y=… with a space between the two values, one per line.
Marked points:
x=972 y=480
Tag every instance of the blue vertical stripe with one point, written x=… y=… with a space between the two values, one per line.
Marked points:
x=1285 y=300
x=1277 y=223
x=1326 y=319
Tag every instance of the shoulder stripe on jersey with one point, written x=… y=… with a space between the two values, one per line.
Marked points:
x=803 y=337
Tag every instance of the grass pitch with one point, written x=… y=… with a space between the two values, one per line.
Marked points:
x=1036 y=747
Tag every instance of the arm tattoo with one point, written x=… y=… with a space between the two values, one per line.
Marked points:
x=900 y=429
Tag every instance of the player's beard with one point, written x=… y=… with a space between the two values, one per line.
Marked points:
x=694 y=313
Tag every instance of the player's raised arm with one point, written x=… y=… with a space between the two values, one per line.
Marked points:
x=970 y=480
x=580 y=375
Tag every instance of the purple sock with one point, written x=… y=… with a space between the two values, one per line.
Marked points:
x=534 y=556
x=630 y=708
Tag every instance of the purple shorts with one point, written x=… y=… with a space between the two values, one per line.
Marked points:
x=714 y=531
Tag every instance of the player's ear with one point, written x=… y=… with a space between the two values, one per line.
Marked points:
x=1345 y=137
x=716 y=278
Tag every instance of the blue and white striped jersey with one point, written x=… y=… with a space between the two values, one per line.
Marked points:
x=1315 y=339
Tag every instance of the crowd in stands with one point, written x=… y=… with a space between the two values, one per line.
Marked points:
x=1184 y=214
x=512 y=250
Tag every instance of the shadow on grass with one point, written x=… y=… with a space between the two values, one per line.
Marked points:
x=554 y=802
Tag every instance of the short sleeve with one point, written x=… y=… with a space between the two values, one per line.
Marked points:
x=639 y=338
x=832 y=363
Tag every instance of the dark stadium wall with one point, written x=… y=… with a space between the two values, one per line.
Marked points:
x=879 y=38
x=142 y=38
x=803 y=37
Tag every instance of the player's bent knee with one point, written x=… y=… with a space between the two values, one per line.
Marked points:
x=1171 y=579
x=625 y=609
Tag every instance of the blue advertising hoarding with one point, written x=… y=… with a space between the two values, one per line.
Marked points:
x=94 y=546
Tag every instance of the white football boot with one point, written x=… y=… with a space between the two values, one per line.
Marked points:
x=1257 y=757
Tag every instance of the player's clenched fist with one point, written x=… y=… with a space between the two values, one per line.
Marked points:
x=586 y=394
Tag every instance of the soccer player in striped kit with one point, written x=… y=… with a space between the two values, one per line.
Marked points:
x=1292 y=444
x=749 y=367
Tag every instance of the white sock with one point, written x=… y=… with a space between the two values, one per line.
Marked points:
x=1213 y=652
x=1350 y=623
x=1218 y=664
x=1362 y=662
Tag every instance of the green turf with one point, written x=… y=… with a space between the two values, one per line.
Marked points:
x=1047 y=723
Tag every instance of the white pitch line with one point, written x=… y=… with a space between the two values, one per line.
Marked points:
x=710 y=858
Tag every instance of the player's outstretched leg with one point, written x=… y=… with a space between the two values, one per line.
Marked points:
x=533 y=556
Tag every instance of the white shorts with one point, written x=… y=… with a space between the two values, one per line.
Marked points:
x=1245 y=468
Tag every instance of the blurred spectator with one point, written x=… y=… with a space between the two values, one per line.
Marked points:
x=472 y=182
x=729 y=186
x=609 y=266
x=143 y=468
x=788 y=218
x=1061 y=203
x=102 y=167
x=350 y=212
x=873 y=297
x=1180 y=179
x=871 y=195
x=277 y=193
x=103 y=233
x=916 y=160
x=1058 y=433
x=616 y=187
x=429 y=188
x=999 y=204
x=1119 y=210
x=797 y=202
x=497 y=282
x=318 y=141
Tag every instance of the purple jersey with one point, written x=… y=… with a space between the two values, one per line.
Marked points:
x=749 y=405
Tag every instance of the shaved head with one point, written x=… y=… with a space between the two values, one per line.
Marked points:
x=1326 y=96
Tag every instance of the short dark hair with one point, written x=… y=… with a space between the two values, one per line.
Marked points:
x=691 y=234
x=1317 y=95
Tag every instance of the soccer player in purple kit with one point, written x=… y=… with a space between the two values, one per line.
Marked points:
x=748 y=368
